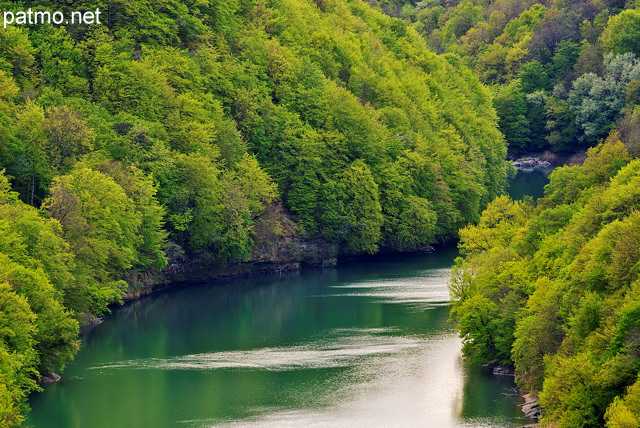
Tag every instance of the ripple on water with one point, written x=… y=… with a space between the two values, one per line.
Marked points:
x=429 y=288
x=337 y=371
x=344 y=349
x=393 y=391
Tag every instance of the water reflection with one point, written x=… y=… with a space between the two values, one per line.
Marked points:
x=529 y=183
x=362 y=345
x=410 y=390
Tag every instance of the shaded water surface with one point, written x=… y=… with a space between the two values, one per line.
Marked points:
x=529 y=183
x=361 y=345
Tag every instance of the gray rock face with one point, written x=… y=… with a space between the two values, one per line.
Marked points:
x=503 y=371
x=48 y=378
x=531 y=407
x=531 y=163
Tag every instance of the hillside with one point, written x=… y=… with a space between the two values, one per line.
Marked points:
x=219 y=131
x=563 y=73
x=552 y=289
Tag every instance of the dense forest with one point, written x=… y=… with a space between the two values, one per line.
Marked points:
x=563 y=73
x=220 y=131
x=553 y=289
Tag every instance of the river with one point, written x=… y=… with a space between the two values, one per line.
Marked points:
x=529 y=183
x=361 y=345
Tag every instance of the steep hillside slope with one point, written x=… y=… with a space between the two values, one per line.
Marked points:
x=564 y=73
x=553 y=289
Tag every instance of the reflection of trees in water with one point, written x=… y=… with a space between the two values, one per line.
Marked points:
x=350 y=350
x=529 y=183
x=485 y=395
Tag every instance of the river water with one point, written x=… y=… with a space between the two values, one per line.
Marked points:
x=529 y=183
x=361 y=345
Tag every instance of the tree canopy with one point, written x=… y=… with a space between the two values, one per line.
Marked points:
x=552 y=289
x=553 y=47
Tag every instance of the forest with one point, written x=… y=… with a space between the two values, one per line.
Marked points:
x=221 y=132
x=563 y=74
x=552 y=288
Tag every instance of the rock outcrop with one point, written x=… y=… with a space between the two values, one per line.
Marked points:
x=531 y=407
x=48 y=378
x=531 y=163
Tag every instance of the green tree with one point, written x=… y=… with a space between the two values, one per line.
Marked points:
x=476 y=317
x=498 y=226
x=69 y=136
x=256 y=184
x=17 y=355
x=360 y=209
x=511 y=106
x=209 y=214
x=596 y=101
x=624 y=412
x=538 y=333
x=30 y=129
x=537 y=115
x=140 y=189
x=622 y=34
x=409 y=221
x=565 y=56
x=102 y=225
x=563 y=135
x=533 y=77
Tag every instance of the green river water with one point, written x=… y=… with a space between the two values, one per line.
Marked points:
x=361 y=345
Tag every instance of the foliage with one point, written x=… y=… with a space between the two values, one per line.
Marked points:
x=511 y=106
x=622 y=33
x=564 y=49
x=554 y=290
x=595 y=101
x=37 y=332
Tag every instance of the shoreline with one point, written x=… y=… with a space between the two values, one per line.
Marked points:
x=531 y=406
x=196 y=271
x=188 y=273
x=193 y=272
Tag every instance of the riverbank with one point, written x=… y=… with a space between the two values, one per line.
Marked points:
x=254 y=269
x=547 y=159
x=531 y=409
x=182 y=272
x=531 y=406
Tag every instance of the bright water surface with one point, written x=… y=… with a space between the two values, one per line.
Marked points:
x=361 y=345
